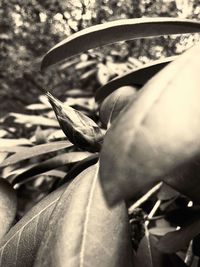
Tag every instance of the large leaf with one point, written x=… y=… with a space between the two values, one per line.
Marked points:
x=148 y=255
x=19 y=246
x=84 y=231
x=50 y=164
x=81 y=130
x=156 y=135
x=137 y=77
x=34 y=151
x=115 y=31
x=8 y=206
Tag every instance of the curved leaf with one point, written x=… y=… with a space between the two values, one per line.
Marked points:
x=20 y=244
x=8 y=206
x=30 y=152
x=115 y=31
x=137 y=77
x=115 y=103
x=50 y=164
x=84 y=231
x=157 y=134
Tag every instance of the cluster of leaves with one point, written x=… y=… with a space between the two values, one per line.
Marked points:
x=146 y=160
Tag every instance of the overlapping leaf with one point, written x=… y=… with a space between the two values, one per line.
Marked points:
x=156 y=135
x=137 y=77
x=50 y=164
x=34 y=151
x=84 y=231
x=115 y=103
x=115 y=31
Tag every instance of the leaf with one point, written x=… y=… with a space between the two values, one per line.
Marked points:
x=167 y=193
x=115 y=31
x=88 y=74
x=34 y=120
x=160 y=231
x=8 y=206
x=37 y=107
x=27 y=153
x=149 y=256
x=49 y=164
x=137 y=77
x=13 y=142
x=85 y=64
x=84 y=231
x=157 y=136
x=179 y=239
x=80 y=129
x=115 y=103
x=79 y=167
x=20 y=244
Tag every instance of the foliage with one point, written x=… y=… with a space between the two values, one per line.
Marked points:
x=138 y=202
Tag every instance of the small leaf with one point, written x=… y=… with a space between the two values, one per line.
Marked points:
x=50 y=164
x=20 y=244
x=115 y=31
x=8 y=206
x=136 y=77
x=148 y=255
x=157 y=137
x=27 y=153
x=115 y=103
x=166 y=193
x=85 y=64
x=82 y=228
x=80 y=129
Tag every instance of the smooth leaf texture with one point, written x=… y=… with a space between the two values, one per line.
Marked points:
x=177 y=240
x=8 y=206
x=80 y=129
x=158 y=133
x=115 y=103
x=148 y=255
x=20 y=244
x=84 y=231
x=50 y=164
x=27 y=153
x=115 y=31
x=137 y=77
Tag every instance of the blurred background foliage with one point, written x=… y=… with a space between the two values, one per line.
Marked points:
x=29 y=28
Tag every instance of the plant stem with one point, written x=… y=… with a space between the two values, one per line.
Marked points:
x=144 y=198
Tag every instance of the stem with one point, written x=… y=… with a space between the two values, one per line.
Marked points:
x=144 y=198
x=153 y=211
x=189 y=255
